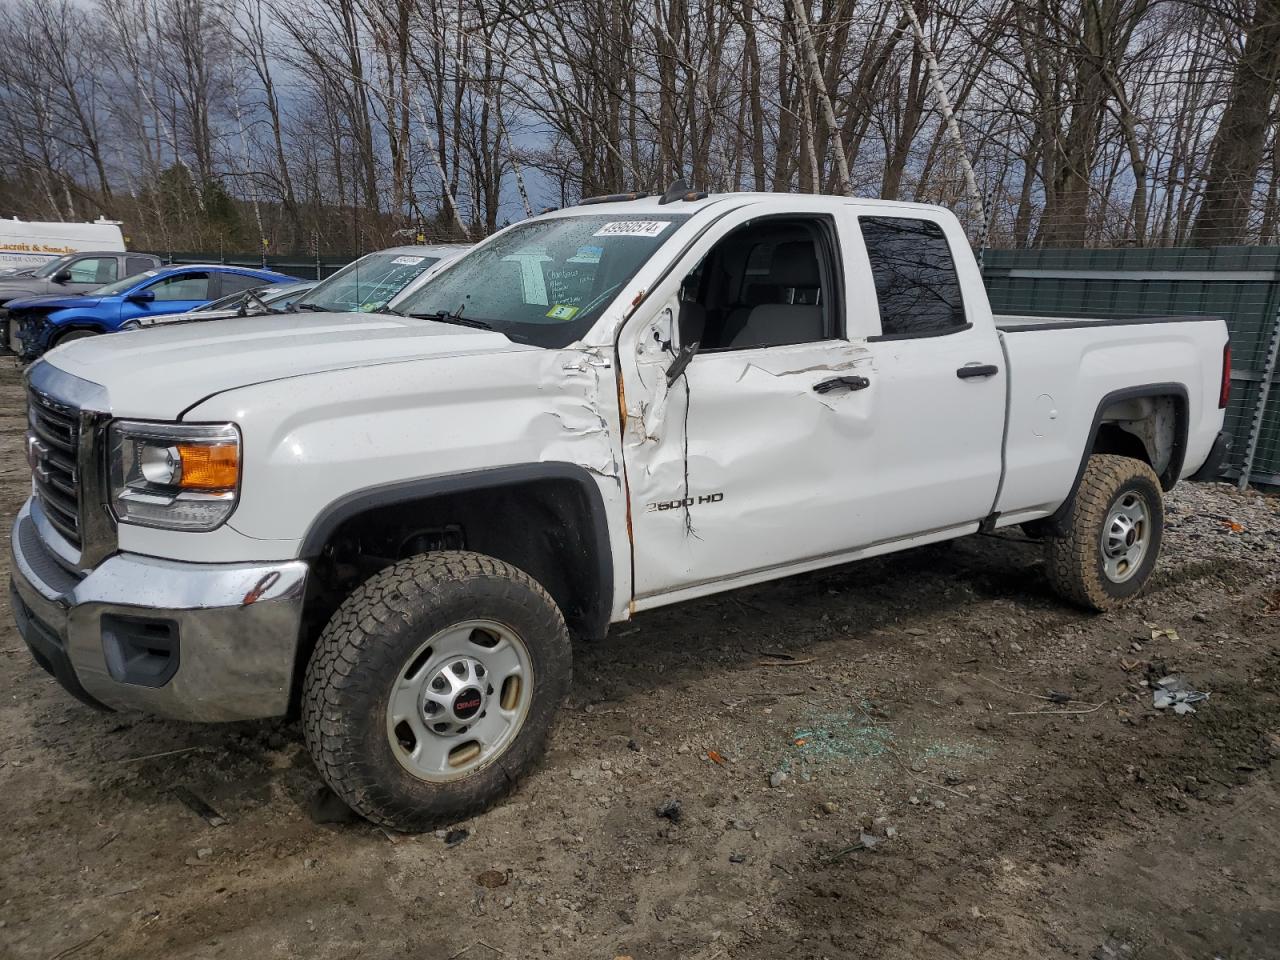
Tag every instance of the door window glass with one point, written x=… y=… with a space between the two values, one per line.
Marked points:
x=916 y=283
x=183 y=286
x=239 y=282
x=763 y=285
x=98 y=270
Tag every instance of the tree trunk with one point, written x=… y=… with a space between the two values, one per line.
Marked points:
x=1241 y=140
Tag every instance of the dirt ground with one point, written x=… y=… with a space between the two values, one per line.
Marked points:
x=928 y=802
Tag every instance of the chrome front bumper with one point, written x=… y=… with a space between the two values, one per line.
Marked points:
x=192 y=641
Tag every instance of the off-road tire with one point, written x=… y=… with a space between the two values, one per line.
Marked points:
x=1076 y=569
x=359 y=657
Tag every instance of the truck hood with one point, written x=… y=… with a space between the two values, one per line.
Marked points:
x=159 y=372
x=51 y=303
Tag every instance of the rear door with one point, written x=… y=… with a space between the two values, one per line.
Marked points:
x=229 y=283
x=939 y=374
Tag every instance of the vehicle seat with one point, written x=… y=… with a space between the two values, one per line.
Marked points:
x=794 y=267
x=693 y=323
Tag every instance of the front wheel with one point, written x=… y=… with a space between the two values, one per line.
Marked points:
x=433 y=687
x=1110 y=547
x=71 y=335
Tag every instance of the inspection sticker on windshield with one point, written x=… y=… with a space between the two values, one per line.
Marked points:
x=563 y=311
x=408 y=261
x=587 y=255
x=632 y=228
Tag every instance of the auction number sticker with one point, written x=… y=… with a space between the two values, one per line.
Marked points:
x=408 y=261
x=633 y=228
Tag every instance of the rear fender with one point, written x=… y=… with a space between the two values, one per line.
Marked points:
x=1161 y=428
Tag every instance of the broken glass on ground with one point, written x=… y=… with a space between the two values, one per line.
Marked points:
x=1173 y=691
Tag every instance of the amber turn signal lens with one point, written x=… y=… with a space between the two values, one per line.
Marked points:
x=209 y=466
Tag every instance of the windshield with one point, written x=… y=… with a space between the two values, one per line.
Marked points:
x=543 y=282
x=52 y=267
x=367 y=284
x=120 y=286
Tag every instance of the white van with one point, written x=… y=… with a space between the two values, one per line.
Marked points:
x=25 y=243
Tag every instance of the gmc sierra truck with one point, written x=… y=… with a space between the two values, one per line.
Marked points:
x=394 y=522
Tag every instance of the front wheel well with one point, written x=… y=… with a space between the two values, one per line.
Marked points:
x=65 y=330
x=547 y=520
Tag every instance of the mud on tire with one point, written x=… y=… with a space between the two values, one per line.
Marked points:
x=363 y=653
x=1112 y=491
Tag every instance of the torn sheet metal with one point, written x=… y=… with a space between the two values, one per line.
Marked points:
x=740 y=447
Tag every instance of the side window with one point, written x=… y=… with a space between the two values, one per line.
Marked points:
x=764 y=285
x=134 y=265
x=915 y=277
x=99 y=270
x=239 y=282
x=184 y=286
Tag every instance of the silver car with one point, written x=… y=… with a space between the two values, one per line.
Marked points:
x=268 y=298
x=367 y=285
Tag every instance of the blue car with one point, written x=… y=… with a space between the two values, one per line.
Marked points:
x=41 y=323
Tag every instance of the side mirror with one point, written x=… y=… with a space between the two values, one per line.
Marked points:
x=142 y=296
x=62 y=276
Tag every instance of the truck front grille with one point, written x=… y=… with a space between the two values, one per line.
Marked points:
x=53 y=442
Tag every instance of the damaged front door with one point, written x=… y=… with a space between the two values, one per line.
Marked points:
x=753 y=457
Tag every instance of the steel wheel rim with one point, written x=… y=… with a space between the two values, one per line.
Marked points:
x=459 y=700
x=1126 y=537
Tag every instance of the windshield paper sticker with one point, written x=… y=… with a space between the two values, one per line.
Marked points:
x=563 y=311
x=408 y=261
x=587 y=255
x=632 y=228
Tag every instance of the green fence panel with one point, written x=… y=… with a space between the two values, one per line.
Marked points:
x=1240 y=284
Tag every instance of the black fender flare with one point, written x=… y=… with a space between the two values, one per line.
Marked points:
x=1062 y=516
x=598 y=612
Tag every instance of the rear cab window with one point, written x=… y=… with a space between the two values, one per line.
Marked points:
x=917 y=287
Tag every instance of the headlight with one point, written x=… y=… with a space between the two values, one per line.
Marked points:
x=173 y=475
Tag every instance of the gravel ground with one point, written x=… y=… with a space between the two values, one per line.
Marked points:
x=864 y=762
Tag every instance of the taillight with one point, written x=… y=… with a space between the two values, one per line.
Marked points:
x=1224 y=394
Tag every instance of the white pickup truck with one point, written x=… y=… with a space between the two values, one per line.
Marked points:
x=394 y=522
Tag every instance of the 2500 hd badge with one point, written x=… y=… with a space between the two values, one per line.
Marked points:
x=684 y=502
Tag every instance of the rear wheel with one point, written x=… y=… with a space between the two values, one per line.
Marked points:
x=1116 y=528
x=432 y=689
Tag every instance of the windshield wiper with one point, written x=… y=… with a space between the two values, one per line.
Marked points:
x=444 y=316
x=295 y=307
x=242 y=308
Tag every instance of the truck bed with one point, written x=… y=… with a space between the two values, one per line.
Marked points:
x=1061 y=381
x=1012 y=323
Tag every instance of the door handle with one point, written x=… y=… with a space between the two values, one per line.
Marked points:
x=849 y=383
x=977 y=370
